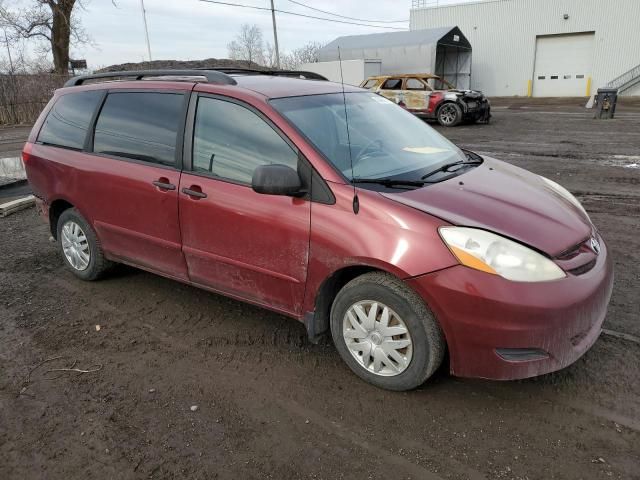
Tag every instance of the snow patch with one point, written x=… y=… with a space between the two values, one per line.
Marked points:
x=12 y=168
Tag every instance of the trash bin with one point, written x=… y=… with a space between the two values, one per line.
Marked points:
x=605 y=103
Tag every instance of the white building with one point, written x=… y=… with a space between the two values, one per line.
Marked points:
x=544 y=47
x=444 y=51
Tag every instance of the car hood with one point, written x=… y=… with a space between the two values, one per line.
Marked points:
x=506 y=200
x=468 y=93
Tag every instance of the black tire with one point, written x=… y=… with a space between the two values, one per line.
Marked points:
x=449 y=114
x=428 y=342
x=97 y=264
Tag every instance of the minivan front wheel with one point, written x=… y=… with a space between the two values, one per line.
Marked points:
x=80 y=247
x=385 y=332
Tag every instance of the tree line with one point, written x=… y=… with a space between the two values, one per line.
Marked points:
x=36 y=36
x=249 y=46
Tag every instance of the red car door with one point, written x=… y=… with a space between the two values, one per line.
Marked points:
x=132 y=177
x=235 y=240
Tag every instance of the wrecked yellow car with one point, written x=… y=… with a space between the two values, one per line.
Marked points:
x=432 y=98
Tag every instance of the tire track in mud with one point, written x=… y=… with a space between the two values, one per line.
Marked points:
x=339 y=429
x=625 y=336
x=610 y=203
x=182 y=332
x=244 y=358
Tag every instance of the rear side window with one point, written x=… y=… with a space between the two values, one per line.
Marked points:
x=69 y=119
x=140 y=126
x=230 y=141
x=392 y=84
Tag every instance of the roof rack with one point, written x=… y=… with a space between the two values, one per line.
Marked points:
x=211 y=75
x=275 y=73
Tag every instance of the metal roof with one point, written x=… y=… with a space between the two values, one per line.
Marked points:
x=390 y=39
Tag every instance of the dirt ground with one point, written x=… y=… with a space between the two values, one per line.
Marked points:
x=270 y=404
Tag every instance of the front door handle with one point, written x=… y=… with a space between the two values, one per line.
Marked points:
x=193 y=193
x=164 y=184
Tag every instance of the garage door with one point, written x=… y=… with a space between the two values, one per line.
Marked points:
x=563 y=65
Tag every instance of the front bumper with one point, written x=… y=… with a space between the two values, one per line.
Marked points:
x=478 y=110
x=483 y=314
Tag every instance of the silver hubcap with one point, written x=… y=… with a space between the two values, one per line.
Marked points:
x=377 y=338
x=448 y=114
x=75 y=246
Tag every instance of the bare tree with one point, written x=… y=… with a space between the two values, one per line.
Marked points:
x=247 y=45
x=51 y=21
x=269 y=55
x=308 y=53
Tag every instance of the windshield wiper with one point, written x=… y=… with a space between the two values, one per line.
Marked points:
x=388 y=182
x=471 y=161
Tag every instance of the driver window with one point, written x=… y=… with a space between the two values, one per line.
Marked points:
x=230 y=141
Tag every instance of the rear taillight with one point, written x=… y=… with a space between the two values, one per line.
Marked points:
x=26 y=152
x=434 y=99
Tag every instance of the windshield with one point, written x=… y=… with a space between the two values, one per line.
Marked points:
x=384 y=140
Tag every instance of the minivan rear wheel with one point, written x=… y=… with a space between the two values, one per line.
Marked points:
x=385 y=332
x=80 y=248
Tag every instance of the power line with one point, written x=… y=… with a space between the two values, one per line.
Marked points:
x=300 y=14
x=343 y=16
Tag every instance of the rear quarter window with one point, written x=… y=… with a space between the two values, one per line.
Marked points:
x=140 y=126
x=68 y=121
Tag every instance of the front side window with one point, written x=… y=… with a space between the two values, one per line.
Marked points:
x=69 y=119
x=230 y=141
x=385 y=140
x=140 y=126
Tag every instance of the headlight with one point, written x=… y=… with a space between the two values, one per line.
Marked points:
x=563 y=192
x=497 y=255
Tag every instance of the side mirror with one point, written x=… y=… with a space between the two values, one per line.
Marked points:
x=276 y=180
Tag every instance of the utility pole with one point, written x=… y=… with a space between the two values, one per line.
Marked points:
x=12 y=82
x=6 y=42
x=275 y=35
x=146 y=30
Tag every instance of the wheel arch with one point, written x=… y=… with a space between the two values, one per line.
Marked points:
x=56 y=209
x=317 y=322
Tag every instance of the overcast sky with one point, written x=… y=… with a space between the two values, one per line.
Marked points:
x=191 y=29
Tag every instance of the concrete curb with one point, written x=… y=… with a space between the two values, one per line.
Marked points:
x=17 y=205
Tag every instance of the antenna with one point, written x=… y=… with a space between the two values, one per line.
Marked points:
x=146 y=30
x=356 y=202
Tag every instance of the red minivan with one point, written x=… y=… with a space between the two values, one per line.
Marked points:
x=329 y=204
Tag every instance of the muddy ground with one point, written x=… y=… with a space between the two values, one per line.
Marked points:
x=271 y=405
